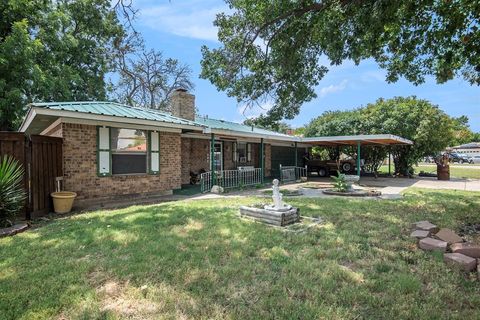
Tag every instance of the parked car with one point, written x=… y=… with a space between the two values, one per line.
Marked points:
x=325 y=167
x=459 y=158
x=476 y=159
x=429 y=159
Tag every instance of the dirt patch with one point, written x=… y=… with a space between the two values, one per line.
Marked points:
x=126 y=301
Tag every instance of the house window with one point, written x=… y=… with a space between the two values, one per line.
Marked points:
x=243 y=152
x=129 y=151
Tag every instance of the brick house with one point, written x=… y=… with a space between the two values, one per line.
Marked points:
x=113 y=151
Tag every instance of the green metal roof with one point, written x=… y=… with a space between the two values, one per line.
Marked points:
x=114 y=109
x=124 y=111
x=236 y=127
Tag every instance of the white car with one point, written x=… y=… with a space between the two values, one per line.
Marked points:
x=476 y=159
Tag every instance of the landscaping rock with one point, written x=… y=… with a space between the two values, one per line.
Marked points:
x=431 y=244
x=217 y=189
x=420 y=234
x=10 y=231
x=425 y=225
x=460 y=261
x=478 y=269
x=468 y=249
x=448 y=235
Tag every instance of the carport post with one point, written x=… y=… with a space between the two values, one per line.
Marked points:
x=262 y=160
x=358 y=158
x=212 y=160
x=389 y=157
x=296 y=155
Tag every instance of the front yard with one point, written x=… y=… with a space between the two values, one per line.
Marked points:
x=196 y=259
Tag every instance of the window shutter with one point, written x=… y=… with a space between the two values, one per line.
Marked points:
x=104 y=159
x=154 y=152
x=235 y=153
x=249 y=152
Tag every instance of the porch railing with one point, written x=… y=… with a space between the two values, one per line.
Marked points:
x=229 y=179
x=292 y=173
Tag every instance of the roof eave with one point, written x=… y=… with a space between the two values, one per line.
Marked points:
x=109 y=118
x=209 y=130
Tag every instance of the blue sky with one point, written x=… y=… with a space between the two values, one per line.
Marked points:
x=180 y=27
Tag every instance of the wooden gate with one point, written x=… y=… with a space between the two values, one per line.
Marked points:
x=41 y=157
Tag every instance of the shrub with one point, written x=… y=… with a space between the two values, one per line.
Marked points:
x=12 y=195
x=340 y=185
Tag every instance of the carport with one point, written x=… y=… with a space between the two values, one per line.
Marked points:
x=359 y=141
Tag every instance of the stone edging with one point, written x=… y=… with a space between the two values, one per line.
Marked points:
x=10 y=231
x=352 y=194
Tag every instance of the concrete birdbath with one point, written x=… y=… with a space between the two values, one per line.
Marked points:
x=279 y=214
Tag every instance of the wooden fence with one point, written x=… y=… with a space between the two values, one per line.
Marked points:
x=41 y=157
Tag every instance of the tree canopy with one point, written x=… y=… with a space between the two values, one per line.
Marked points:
x=430 y=129
x=271 y=50
x=65 y=50
x=53 y=50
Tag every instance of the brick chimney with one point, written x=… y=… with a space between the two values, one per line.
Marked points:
x=182 y=104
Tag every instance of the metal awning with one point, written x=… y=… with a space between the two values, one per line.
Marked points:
x=363 y=139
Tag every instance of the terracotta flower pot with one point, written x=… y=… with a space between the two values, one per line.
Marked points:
x=63 y=201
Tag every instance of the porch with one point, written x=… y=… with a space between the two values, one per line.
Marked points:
x=237 y=162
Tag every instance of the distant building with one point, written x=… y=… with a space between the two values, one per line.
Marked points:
x=470 y=149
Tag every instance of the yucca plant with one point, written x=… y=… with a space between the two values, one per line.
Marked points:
x=12 y=195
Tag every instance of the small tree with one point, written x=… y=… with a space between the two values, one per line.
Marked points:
x=12 y=195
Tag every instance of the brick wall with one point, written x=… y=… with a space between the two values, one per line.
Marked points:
x=268 y=160
x=195 y=156
x=80 y=167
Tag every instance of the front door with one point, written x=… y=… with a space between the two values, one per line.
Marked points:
x=218 y=156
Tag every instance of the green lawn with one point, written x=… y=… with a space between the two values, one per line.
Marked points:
x=455 y=172
x=196 y=259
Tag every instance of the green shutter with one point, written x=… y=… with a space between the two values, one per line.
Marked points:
x=153 y=152
x=104 y=155
x=234 y=152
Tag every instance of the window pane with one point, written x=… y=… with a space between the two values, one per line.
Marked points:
x=242 y=151
x=129 y=163
x=129 y=140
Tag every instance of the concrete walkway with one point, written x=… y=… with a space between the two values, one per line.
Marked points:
x=391 y=188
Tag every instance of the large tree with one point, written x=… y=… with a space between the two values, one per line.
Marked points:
x=146 y=78
x=54 y=50
x=430 y=129
x=272 y=50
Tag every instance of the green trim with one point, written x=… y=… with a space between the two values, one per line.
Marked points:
x=109 y=150
x=212 y=164
x=296 y=155
x=358 y=158
x=262 y=159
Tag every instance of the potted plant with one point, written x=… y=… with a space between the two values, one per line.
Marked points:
x=62 y=200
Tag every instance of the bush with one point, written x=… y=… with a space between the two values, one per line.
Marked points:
x=12 y=195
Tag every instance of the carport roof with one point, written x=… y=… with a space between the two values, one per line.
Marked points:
x=363 y=139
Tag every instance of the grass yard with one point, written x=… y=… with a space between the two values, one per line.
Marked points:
x=196 y=259
x=472 y=173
